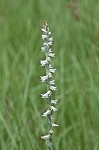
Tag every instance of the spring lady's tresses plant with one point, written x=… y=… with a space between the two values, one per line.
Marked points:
x=50 y=83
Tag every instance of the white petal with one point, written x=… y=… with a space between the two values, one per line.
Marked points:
x=52 y=82
x=50 y=132
x=51 y=55
x=49 y=32
x=45 y=137
x=50 y=66
x=54 y=101
x=50 y=51
x=53 y=88
x=44 y=36
x=50 y=39
x=52 y=70
x=43 y=49
x=43 y=62
x=50 y=43
x=44 y=78
x=49 y=92
x=45 y=44
x=55 y=125
x=45 y=114
x=53 y=108
x=48 y=59
x=46 y=95
x=43 y=30
x=50 y=75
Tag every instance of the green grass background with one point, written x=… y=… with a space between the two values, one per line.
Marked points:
x=76 y=45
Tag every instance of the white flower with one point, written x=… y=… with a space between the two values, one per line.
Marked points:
x=43 y=62
x=55 y=125
x=53 y=88
x=52 y=82
x=54 y=101
x=49 y=32
x=50 y=43
x=46 y=95
x=45 y=137
x=50 y=51
x=44 y=36
x=48 y=59
x=45 y=44
x=51 y=55
x=50 y=75
x=50 y=39
x=43 y=49
x=50 y=66
x=53 y=108
x=52 y=70
x=44 y=78
x=44 y=30
x=46 y=48
x=50 y=132
x=45 y=114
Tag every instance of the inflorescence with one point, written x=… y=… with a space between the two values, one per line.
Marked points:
x=48 y=79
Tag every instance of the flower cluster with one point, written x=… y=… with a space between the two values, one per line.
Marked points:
x=48 y=79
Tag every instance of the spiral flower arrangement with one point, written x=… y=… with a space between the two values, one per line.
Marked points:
x=50 y=83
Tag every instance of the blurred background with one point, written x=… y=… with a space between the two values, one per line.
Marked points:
x=75 y=28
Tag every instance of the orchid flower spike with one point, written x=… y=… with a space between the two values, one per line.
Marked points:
x=47 y=79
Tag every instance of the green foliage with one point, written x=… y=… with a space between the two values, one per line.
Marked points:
x=77 y=76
